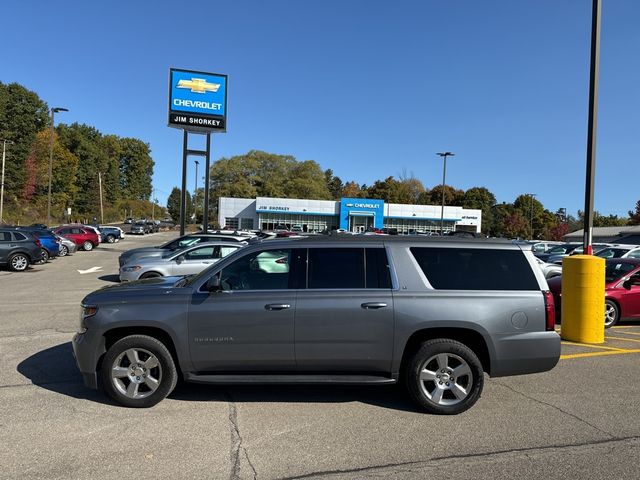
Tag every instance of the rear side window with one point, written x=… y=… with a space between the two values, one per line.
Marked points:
x=475 y=269
x=377 y=268
x=336 y=268
x=18 y=236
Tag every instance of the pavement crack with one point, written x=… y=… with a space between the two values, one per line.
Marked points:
x=236 y=443
x=582 y=420
x=437 y=461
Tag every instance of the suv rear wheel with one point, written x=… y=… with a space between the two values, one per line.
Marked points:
x=88 y=246
x=111 y=238
x=18 y=262
x=444 y=377
x=138 y=371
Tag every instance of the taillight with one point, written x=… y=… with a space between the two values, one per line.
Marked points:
x=550 y=311
x=37 y=241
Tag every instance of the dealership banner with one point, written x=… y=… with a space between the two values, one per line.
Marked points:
x=197 y=101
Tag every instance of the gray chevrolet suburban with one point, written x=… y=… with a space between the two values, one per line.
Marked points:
x=433 y=313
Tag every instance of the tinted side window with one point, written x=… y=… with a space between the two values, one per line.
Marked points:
x=336 y=268
x=475 y=269
x=377 y=268
x=203 y=253
x=263 y=270
x=5 y=237
x=19 y=237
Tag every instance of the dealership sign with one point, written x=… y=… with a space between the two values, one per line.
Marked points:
x=197 y=101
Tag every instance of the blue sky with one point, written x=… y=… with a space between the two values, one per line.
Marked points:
x=366 y=88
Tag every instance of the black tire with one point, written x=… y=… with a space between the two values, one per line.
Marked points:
x=18 y=262
x=64 y=251
x=165 y=372
x=611 y=313
x=444 y=399
x=150 y=275
x=45 y=257
x=87 y=246
x=111 y=238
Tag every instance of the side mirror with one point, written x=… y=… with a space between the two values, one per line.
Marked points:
x=213 y=285
x=180 y=259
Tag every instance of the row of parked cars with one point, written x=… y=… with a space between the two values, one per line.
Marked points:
x=21 y=246
x=622 y=276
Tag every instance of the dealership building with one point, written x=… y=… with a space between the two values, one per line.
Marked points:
x=353 y=214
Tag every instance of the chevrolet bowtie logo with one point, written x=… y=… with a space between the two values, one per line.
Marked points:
x=199 y=85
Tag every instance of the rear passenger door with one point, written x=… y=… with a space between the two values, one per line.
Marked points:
x=344 y=318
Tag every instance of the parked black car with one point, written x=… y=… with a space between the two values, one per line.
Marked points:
x=140 y=228
x=18 y=250
x=153 y=226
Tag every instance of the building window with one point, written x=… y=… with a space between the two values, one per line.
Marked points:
x=231 y=223
x=246 y=223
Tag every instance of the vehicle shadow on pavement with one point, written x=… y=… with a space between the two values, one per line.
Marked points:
x=392 y=397
x=110 y=278
x=55 y=369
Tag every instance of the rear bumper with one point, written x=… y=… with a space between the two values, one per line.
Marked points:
x=525 y=353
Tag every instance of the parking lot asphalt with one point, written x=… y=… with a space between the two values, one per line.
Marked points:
x=578 y=421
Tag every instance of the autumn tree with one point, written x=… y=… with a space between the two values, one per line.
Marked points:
x=634 y=216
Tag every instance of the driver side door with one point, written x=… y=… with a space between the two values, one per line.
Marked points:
x=248 y=324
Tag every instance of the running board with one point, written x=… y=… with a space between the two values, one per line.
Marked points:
x=291 y=379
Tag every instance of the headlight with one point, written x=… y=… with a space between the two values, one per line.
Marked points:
x=86 y=311
x=134 y=268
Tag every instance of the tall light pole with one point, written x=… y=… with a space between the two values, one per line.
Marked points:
x=4 y=151
x=444 y=156
x=54 y=110
x=195 y=195
x=531 y=214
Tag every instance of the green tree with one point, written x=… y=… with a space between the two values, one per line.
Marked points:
x=173 y=205
x=22 y=115
x=353 y=190
x=480 y=198
x=136 y=168
x=452 y=196
x=634 y=216
x=334 y=184
x=307 y=180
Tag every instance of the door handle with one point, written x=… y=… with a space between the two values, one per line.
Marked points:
x=373 y=305
x=277 y=306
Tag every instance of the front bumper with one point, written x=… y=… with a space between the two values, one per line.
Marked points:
x=87 y=350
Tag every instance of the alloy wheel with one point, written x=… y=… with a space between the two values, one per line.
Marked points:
x=19 y=262
x=136 y=373
x=446 y=379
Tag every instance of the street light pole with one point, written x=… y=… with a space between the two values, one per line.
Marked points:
x=195 y=195
x=531 y=214
x=54 y=110
x=4 y=151
x=444 y=156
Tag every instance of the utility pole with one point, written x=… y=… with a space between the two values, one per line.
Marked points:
x=531 y=215
x=444 y=156
x=195 y=196
x=101 y=210
x=4 y=151
x=54 y=110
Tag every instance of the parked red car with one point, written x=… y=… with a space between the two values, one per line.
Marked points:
x=83 y=237
x=621 y=290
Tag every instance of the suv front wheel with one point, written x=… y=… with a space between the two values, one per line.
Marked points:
x=444 y=377
x=138 y=371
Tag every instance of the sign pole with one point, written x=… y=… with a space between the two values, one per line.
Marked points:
x=205 y=214
x=591 y=135
x=183 y=200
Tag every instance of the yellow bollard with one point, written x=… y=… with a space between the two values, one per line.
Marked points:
x=583 y=299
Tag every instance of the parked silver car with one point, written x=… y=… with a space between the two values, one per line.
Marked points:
x=550 y=270
x=188 y=261
x=67 y=247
